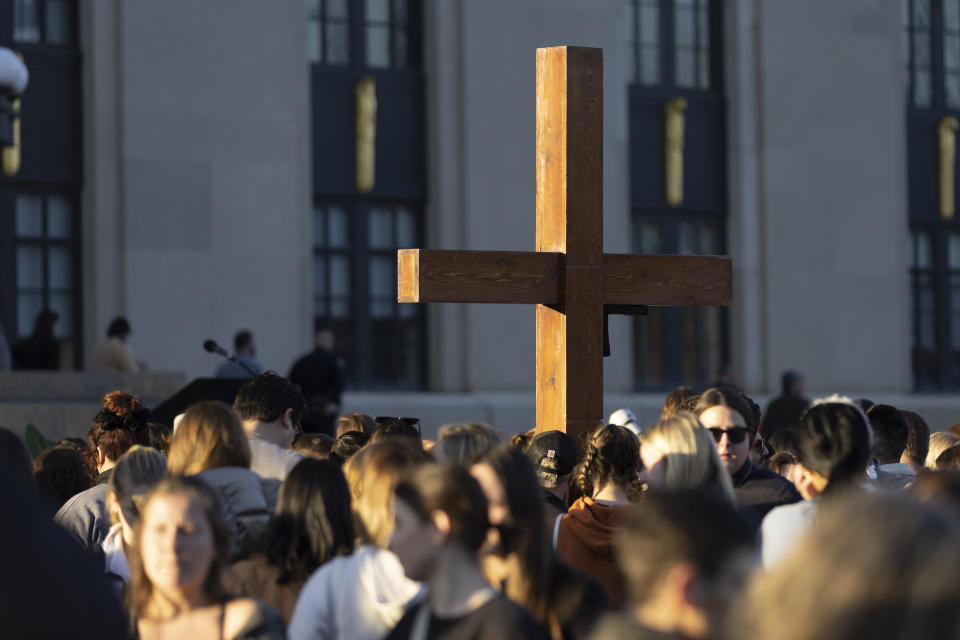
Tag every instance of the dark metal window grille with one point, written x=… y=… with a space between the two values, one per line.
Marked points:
x=673 y=43
x=355 y=285
x=677 y=346
x=46 y=22
x=370 y=34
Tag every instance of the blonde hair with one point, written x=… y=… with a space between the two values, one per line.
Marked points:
x=135 y=473
x=939 y=442
x=209 y=436
x=690 y=456
x=372 y=474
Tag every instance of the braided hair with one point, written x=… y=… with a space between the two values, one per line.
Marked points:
x=612 y=455
x=120 y=424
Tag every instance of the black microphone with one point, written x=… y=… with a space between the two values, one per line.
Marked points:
x=211 y=346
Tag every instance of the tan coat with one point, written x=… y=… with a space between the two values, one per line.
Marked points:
x=256 y=578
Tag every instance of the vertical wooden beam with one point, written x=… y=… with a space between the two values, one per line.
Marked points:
x=570 y=221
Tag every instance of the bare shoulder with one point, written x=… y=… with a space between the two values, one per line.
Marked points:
x=236 y=615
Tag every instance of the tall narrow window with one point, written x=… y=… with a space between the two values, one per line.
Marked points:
x=932 y=75
x=328 y=32
x=49 y=22
x=355 y=292
x=357 y=231
x=676 y=53
x=46 y=259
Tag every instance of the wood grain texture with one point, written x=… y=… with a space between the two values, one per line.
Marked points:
x=506 y=277
x=570 y=153
x=583 y=304
x=669 y=280
x=408 y=275
x=551 y=148
x=551 y=369
x=584 y=156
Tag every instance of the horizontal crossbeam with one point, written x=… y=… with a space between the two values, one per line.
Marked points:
x=668 y=281
x=507 y=277
x=534 y=277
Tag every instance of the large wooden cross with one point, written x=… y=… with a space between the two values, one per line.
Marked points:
x=568 y=277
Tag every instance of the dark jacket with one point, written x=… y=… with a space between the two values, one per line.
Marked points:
x=783 y=412
x=553 y=506
x=578 y=601
x=759 y=490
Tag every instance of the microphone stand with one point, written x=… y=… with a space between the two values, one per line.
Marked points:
x=212 y=347
x=246 y=367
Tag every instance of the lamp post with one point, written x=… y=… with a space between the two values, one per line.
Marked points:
x=13 y=80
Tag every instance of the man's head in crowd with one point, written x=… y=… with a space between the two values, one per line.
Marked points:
x=833 y=446
x=731 y=420
x=677 y=400
x=918 y=441
x=676 y=551
x=792 y=383
x=877 y=566
x=890 y=433
x=271 y=407
x=554 y=457
x=119 y=328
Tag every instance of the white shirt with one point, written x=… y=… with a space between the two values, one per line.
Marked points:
x=361 y=597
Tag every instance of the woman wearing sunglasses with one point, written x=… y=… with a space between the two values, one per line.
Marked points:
x=727 y=415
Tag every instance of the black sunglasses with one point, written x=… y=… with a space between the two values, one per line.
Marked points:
x=735 y=435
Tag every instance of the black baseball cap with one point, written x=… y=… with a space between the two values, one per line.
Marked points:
x=553 y=452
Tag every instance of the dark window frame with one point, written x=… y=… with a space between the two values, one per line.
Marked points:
x=6 y=27
x=672 y=360
x=360 y=354
x=10 y=242
x=357 y=24
x=674 y=357
x=935 y=364
x=667 y=46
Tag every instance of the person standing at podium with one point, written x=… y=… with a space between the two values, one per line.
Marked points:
x=244 y=350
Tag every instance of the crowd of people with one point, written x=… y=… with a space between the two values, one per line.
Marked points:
x=830 y=518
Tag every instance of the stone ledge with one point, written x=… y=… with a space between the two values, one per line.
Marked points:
x=59 y=386
x=510 y=412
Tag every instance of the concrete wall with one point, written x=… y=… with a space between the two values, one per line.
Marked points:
x=819 y=193
x=197 y=200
